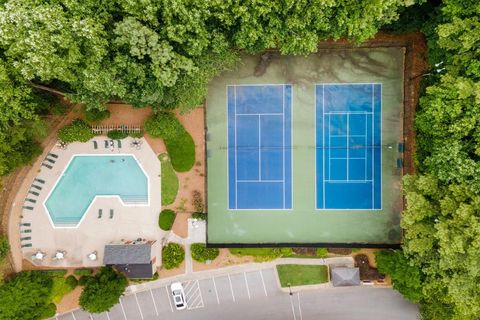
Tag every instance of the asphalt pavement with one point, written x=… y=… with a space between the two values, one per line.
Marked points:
x=255 y=295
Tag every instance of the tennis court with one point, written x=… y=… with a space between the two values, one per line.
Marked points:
x=348 y=141
x=308 y=152
x=259 y=147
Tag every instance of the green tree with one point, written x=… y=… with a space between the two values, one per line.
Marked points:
x=406 y=279
x=173 y=255
x=26 y=296
x=78 y=130
x=103 y=290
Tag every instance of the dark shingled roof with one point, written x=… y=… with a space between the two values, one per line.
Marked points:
x=127 y=254
x=345 y=277
x=135 y=271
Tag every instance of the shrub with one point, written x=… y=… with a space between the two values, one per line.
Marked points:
x=103 y=290
x=197 y=201
x=166 y=219
x=49 y=311
x=96 y=115
x=83 y=272
x=173 y=255
x=199 y=215
x=164 y=125
x=60 y=288
x=117 y=135
x=83 y=280
x=322 y=252
x=78 y=130
x=182 y=152
x=71 y=281
x=201 y=253
x=178 y=141
x=4 y=247
x=262 y=254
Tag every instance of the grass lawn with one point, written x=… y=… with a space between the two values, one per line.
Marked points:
x=262 y=254
x=59 y=289
x=169 y=180
x=299 y=275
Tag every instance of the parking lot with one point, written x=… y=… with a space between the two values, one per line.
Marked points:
x=209 y=292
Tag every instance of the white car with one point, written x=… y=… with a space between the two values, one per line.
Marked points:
x=178 y=295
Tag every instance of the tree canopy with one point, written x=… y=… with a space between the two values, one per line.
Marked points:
x=103 y=290
x=27 y=296
x=442 y=218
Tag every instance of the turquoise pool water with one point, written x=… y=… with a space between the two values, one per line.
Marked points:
x=90 y=176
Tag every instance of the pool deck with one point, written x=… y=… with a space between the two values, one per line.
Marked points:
x=92 y=233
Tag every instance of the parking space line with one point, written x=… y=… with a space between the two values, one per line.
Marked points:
x=123 y=310
x=216 y=292
x=293 y=309
x=246 y=283
x=263 y=282
x=190 y=286
x=231 y=287
x=154 y=304
x=168 y=298
x=138 y=305
x=91 y=318
x=299 y=307
x=108 y=316
x=73 y=316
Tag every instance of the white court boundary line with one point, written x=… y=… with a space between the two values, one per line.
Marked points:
x=316 y=86
x=284 y=85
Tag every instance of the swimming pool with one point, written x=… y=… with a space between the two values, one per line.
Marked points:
x=89 y=176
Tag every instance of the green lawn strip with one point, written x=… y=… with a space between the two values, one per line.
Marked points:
x=182 y=151
x=263 y=254
x=169 y=180
x=166 y=219
x=299 y=275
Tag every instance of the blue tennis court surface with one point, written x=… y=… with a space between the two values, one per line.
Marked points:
x=259 y=147
x=348 y=142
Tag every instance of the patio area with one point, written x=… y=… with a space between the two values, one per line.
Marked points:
x=82 y=245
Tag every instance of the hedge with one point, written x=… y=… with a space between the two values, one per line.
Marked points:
x=201 y=253
x=173 y=255
x=178 y=141
x=166 y=219
x=117 y=134
x=83 y=272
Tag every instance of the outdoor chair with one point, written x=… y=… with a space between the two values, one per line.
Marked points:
x=39 y=180
x=27 y=245
x=95 y=145
x=36 y=187
x=50 y=160
x=106 y=144
x=119 y=144
x=34 y=193
x=111 y=213
x=100 y=212
x=53 y=155
x=25 y=238
x=31 y=200
x=47 y=165
x=27 y=207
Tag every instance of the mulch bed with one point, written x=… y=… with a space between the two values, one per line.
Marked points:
x=366 y=271
x=340 y=251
